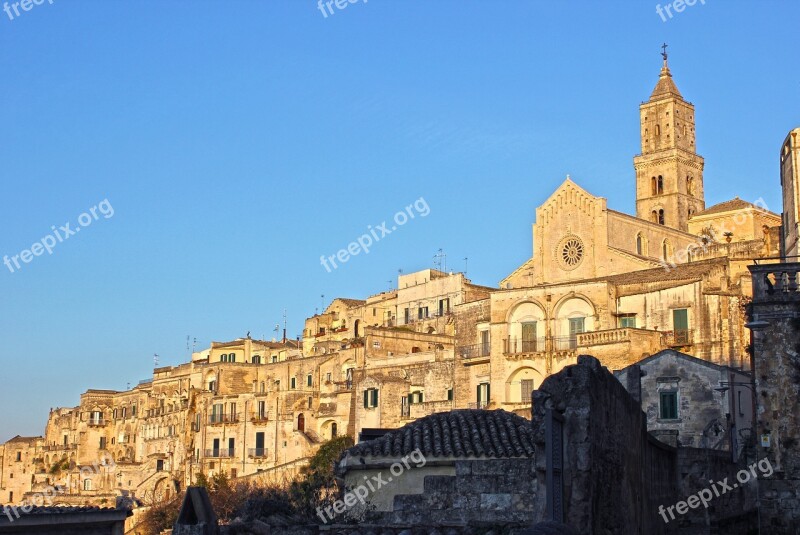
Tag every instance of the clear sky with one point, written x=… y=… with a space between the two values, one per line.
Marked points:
x=238 y=141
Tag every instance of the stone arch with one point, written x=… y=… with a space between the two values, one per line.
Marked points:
x=575 y=314
x=641 y=244
x=329 y=429
x=526 y=326
x=521 y=382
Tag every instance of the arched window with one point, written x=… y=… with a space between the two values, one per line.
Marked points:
x=661 y=217
x=658 y=130
x=654 y=216
x=666 y=249
x=690 y=184
x=641 y=248
x=660 y=185
x=654 y=186
x=334 y=430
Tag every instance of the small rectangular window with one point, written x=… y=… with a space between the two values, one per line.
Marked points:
x=293 y=383
x=310 y=380
x=627 y=321
x=668 y=405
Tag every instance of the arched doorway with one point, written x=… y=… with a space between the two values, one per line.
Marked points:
x=301 y=423
x=334 y=430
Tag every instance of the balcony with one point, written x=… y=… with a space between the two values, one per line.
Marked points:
x=475 y=351
x=257 y=452
x=518 y=346
x=679 y=338
x=97 y=421
x=220 y=453
x=259 y=417
x=223 y=418
x=776 y=282
x=479 y=405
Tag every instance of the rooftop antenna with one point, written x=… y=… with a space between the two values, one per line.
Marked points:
x=322 y=308
x=466 y=264
x=284 y=325
x=155 y=359
x=440 y=260
x=277 y=330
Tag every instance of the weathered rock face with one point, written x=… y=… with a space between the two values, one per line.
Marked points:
x=777 y=370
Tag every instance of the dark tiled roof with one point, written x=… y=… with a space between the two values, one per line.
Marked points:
x=64 y=509
x=728 y=206
x=459 y=433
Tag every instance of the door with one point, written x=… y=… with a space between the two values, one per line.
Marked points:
x=301 y=423
x=576 y=326
x=215 y=451
x=231 y=446
x=680 y=325
x=529 y=336
x=259 y=444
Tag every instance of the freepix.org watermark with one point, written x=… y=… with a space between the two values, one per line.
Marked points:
x=371 y=484
x=46 y=496
x=678 y=6
x=25 y=5
x=363 y=243
x=705 y=496
x=59 y=235
x=326 y=6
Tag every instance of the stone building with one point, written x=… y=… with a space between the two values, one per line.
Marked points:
x=692 y=402
x=790 y=186
x=775 y=319
x=599 y=281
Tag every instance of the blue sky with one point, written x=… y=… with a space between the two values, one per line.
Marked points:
x=238 y=141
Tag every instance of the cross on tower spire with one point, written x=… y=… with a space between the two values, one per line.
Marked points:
x=664 y=52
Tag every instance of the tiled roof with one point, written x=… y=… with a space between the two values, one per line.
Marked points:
x=728 y=206
x=458 y=433
x=665 y=86
x=350 y=303
x=681 y=272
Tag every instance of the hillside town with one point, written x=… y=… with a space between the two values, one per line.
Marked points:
x=664 y=297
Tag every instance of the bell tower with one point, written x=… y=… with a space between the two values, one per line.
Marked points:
x=669 y=172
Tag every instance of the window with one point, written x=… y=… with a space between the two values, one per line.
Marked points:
x=256 y=359
x=627 y=321
x=223 y=357
x=640 y=250
x=485 y=347
x=658 y=130
x=102 y=443
x=328 y=377
x=274 y=358
x=576 y=327
x=666 y=249
x=310 y=402
x=654 y=186
x=124 y=412
x=87 y=484
x=310 y=380
x=668 y=405
x=376 y=344
x=415 y=397
x=232 y=357
x=370 y=398
x=444 y=306
x=159 y=465
x=529 y=336
x=293 y=383
x=661 y=217
x=526 y=387
x=262 y=387
x=660 y=185
x=19 y=453
x=483 y=395
x=422 y=313
x=334 y=430
x=133 y=409
x=680 y=326
x=407 y=315
x=262 y=410
x=212 y=385
x=374 y=312
x=449 y=394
